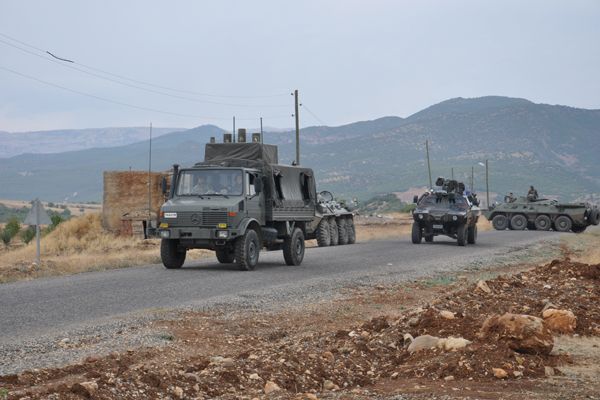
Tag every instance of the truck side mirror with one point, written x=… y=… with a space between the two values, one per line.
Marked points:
x=416 y=199
x=258 y=185
x=163 y=185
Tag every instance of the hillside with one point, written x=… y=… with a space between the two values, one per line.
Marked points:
x=58 y=141
x=552 y=147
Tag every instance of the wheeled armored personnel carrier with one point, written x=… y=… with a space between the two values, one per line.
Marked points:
x=542 y=215
x=238 y=201
x=446 y=210
x=334 y=222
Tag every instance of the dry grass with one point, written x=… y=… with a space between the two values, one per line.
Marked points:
x=584 y=247
x=80 y=245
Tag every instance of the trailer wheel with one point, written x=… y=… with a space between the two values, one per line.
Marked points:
x=225 y=255
x=323 y=233
x=293 y=248
x=247 y=250
x=333 y=232
x=563 y=223
x=472 y=234
x=461 y=235
x=171 y=256
x=417 y=234
x=342 y=231
x=500 y=222
x=351 y=230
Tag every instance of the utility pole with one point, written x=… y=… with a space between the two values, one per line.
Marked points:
x=428 y=164
x=472 y=178
x=452 y=173
x=297 y=127
x=261 y=131
x=149 y=183
x=487 y=184
x=233 y=131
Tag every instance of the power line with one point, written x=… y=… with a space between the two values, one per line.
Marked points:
x=122 y=103
x=62 y=64
x=313 y=114
x=148 y=83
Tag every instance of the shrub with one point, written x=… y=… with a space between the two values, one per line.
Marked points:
x=12 y=227
x=28 y=234
x=6 y=237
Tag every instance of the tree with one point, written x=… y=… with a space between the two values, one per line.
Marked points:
x=12 y=227
x=5 y=236
x=28 y=234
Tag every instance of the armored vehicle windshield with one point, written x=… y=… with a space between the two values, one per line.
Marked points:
x=194 y=182
x=444 y=202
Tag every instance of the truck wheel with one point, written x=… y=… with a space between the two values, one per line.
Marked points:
x=500 y=222
x=351 y=230
x=225 y=255
x=171 y=256
x=518 y=222
x=563 y=223
x=429 y=238
x=417 y=234
x=342 y=231
x=293 y=248
x=323 y=233
x=594 y=217
x=247 y=250
x=333 y=232
x=461 y=235
x=472 y=234
x=543 y=223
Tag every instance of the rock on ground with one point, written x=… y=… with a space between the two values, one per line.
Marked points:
x=522 y=333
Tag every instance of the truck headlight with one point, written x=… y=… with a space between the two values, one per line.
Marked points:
x=454 y=218
x=222 y=234
x=165 y=234
x=420 y=216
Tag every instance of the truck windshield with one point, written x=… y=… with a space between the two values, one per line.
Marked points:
x=443 y=202
x=210 y=181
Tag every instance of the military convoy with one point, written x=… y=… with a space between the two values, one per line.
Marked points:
x=542 y=215
x=447 y=210
x=239 y=200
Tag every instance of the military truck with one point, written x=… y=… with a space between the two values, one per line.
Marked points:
x=238 y=201
x=334 y=222
x=542 y=214
x=446 y=210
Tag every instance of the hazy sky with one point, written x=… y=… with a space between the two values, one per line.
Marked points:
x=351 y=60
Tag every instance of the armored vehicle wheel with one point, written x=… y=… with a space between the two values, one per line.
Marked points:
x=351 y=230
x=225 y=255
x=500 y=222
x=461 y=235
x=578 y=228
x=543 y=223
x=563 y=223
x=171 y=256
x=518 y=222
x=333 y=232
x=247 y=250
x=342 y=231
x=323 y=233
x=429 y=238
x=293 y=248
x=472 y=234
x=417 y=234
x=595 y=217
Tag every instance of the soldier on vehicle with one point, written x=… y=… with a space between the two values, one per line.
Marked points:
x=509 y=198
x=532 y=194
x=235 y=187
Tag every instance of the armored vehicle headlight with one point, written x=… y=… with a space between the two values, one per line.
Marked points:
x=165 y=234
x=420 y=216
x=454 y=218
x=222 y=234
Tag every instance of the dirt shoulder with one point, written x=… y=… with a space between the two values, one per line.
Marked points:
x=357 y=346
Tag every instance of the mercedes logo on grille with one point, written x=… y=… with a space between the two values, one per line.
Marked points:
x=195 y=219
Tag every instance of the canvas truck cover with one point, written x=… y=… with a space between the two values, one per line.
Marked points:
x=215 y=152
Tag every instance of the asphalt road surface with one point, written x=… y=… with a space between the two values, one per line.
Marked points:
x=35 y=308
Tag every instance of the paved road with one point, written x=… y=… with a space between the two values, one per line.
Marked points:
x=36 y=308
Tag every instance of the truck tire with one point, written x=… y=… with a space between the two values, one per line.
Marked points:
x=342 y=231
x=247 y=250
x=500 y=222
x=563 y=223
x=293 y=248
x=594 y=217
x=518 y=222
x=225 y=255
x=351 y=230
x=428 y=238
x=472 y=234
x=543 y=223
x=333 y=231
x=323 y=233
x=417 y=234
x=461 y=235
x=171 y=256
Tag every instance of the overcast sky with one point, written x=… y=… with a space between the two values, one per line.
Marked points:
x=351 y=60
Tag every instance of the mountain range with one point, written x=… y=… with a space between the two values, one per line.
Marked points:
x=552 y=147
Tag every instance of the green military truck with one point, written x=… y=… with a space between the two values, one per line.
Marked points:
x=236 y=202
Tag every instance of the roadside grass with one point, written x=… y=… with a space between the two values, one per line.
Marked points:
x=443 y=280
x=583 y=247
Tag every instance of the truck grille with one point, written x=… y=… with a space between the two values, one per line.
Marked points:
x=199 y=218
x=213 y=218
